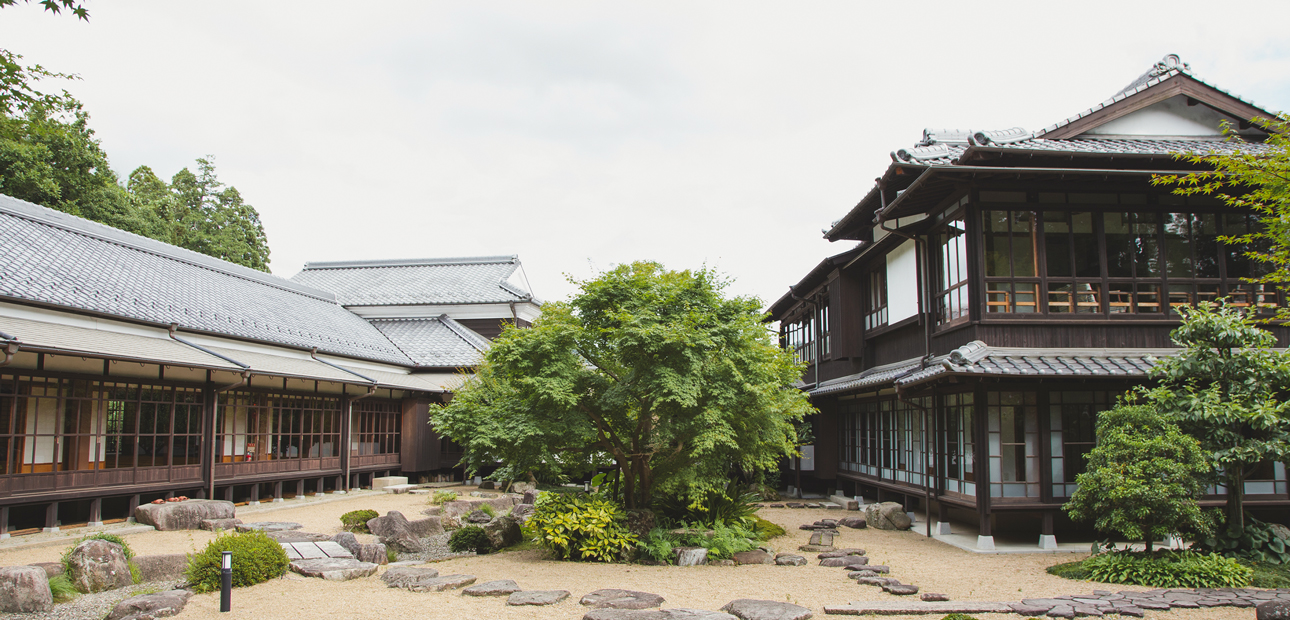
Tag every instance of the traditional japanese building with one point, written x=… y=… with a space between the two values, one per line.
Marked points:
x=1003 y=287
x=131 y=369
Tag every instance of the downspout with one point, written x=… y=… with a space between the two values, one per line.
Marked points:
x=10 y=348
x=920 y=263
x=347 y=440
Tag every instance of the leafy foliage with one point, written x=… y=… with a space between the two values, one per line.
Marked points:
x=62 y=588
x=581 y=527
x=470 y=538
x=1257 y=181
x=735 y=506
x=1174 y=569
x=654 y=369
x=356 y=520
x=442 y=497
x=1268 y=575
x=1070 y=570
x=1144 y=477
x=56 y=6
x=256 y=558
x=488 y=510
x=722 y=543
x=1225 y=388
x=1258 y=542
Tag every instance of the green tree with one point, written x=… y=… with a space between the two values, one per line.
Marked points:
x=678 y=384
x=1144 y=478
x=1225 y=388
x=1251 y=180
x=202 y=214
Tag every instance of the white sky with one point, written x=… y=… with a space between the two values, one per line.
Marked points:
x=581 y=135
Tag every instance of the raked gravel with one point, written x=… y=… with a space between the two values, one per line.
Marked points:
x=95 y=606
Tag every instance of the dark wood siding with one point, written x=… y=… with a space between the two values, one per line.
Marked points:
x=420 y=443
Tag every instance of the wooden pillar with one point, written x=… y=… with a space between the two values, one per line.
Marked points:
x=51 y=517
x=96 y=512
x=4 y=522
x=170 y=495
x=130 y=508
x=1047 y=525
x=981 y=466
x=201 y=493
x=321 y=487
x=300 y=488
x=228 y=493
x=255 y=493
x=277 y=491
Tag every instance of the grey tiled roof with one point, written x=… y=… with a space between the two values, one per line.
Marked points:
x=439 y=342
x=978 y=358
x=417 y=281
x=55 y=258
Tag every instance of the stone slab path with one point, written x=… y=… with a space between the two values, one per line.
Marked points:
x=315 y=551
x=1099 y=603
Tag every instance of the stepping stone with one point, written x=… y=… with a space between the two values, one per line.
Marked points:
x=815 y=548
x=159 y=605
x=856 y=523
x=821 y=538
x=334 y=569
x=902 y=589
x=881 y=582
x=846 y=560
x=537 y=597
x=756 y=556
x=292 y=554
x=308 y=551
x=410 y=578
x=333 y=550
x=788 y=559
x=753 y=609
x=776 y=505
x=830 y=506
x=293 y=536
x=268 y=526
x=500 y=587
x=656 y=614
x=916 y=608
x=864 y=572
x=812 y=505
x=612 y=598
x=795 y=505
x=839 y=553
x=419 y=491
x=936 y=596
x=1027 y=610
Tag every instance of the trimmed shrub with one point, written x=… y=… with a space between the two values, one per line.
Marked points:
x=356 y=521
x=581 y=527
x=470 y=538
x=1180 y=569
x=442 y=497
x=256 y=558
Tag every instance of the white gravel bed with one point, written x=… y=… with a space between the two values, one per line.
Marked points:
x=436 y=549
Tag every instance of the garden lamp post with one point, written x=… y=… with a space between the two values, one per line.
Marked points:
x=226 y=581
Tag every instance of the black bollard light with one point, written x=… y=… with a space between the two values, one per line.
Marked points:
x=226 y=582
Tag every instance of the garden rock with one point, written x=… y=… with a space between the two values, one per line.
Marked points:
x=334 y=569
x=218 y=524
x=98 y=565
x=530 y=495
x=861 y=573
x=162 y=567
x=478 y=516
x=614 y=598
x=815 y=548
x=690 y=556
x=500 y=587
x=933 y=597
x=503 y=532
x=855 y=523
x=150 y=606
x=753 y=557
x=537 y=597
x=434 y=584
x=349 y=541
x=372 y=552
x=887 y=516
x=290 y=536
x=881 y=582
x=185 y=515
x=269 y=526
x=788 y=559
x=1273 y=610
x=409 y=578
x=425 y=528
x=840 y=553
x=522 y=511
x=752 y=609
x=24 y=589
x=52 y=569
x=716 y=562
x=900 y=589
x=846 y=560
x=656 y=614
x=395 y=532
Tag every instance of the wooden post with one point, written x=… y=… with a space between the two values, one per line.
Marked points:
x=320 y=487
x=96 y=512
x=255 y=493
x=51 y=517
x=134 y=503
x=4 y=522
x=228 y=493
x=277 y=491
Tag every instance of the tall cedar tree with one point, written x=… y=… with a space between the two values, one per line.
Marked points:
x=1226 y=389
x=656 y=370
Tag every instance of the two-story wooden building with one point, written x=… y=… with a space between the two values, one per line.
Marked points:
x=1002 y=288
x=132 y=370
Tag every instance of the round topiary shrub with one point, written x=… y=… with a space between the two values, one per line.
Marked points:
x=356 y=521
x=256 y=558
x=470 y=538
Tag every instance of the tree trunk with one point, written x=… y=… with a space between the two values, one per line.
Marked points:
x=629 y=487
x=1235 y=500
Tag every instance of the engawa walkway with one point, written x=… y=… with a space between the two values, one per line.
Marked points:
x=1099 y=603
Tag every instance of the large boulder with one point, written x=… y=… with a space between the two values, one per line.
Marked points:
x=756 y=556
x=503 y=532
x=98 y=565
x=24 y=589
x=1272 y=610
x=396 y=533
x=150 y=606
x=887 y=516
x=185 y=515
x=372 y=552
x=425 y=528
x=161 y=567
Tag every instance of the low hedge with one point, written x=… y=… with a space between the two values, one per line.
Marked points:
x=356 y=521
x=1167 y=569
x=256 y=559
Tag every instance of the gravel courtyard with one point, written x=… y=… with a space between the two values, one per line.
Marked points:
x=933 y=566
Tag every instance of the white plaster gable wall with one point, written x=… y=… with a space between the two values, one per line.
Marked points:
x=902 y=282
x=1171 y=117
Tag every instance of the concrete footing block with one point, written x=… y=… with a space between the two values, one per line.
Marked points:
x=985 y=543
x=942 y=528
x=1047 y=541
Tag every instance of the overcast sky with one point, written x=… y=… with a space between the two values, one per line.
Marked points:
x=581 y=135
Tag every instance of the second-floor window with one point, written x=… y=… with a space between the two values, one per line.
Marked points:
x=808 y=331
x=952 y=295
x=876 y=300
